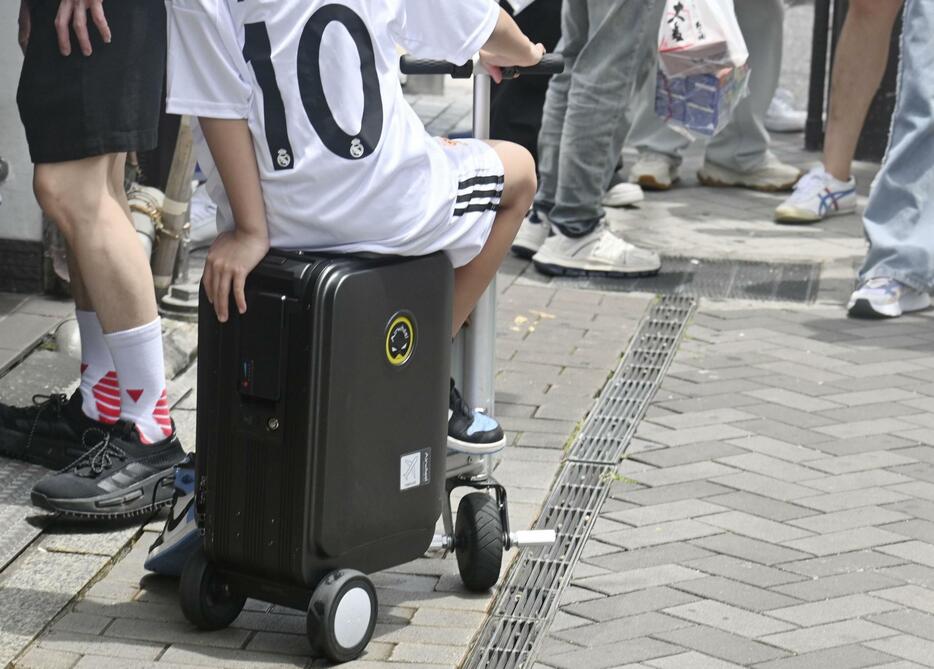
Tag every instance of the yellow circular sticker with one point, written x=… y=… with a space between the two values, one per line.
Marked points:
x=400 y=340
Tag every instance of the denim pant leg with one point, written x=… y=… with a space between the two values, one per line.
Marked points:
x=585 y=113
x=899 y=220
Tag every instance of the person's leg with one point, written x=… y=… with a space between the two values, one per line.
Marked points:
x=859 y=64
x=898 y=272
x=471 y=280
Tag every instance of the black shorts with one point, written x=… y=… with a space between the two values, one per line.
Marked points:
x=78 y=107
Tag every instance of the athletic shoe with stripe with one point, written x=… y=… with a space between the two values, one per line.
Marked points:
x=118 y=476
x=600 y=253
x=48 y=433
x=533 y=232
x=818 y=196
x=470 y=431
x=181 y=535
x=882 y=297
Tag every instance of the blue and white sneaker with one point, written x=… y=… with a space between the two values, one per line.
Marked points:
x=817 y=196
x=181 y=536
x=882 y=297
x=470 y=431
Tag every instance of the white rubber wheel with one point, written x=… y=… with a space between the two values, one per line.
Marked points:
x=342 y=615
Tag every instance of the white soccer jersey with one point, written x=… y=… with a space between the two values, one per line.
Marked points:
x=345 y=163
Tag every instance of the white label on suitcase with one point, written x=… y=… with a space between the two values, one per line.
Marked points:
x=415 y=469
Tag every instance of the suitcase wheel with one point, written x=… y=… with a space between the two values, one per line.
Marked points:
x=342 y=615
x=206 y=598
x=478 y=541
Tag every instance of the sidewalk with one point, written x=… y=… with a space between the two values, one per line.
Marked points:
x=775 y=507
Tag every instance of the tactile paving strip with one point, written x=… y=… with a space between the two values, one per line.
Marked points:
x=529 y=596
x=722 y=279
x=17 y=529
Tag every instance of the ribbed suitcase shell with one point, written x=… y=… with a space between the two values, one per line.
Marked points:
x=304 y=425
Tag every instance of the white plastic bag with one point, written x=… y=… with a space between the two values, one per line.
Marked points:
x=700 y=37
x=702 y=66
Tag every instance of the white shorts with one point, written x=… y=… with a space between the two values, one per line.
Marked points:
x=473 y=205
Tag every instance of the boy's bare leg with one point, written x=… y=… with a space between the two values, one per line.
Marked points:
x=471 y=280
x=859 y=65
x=92 y=214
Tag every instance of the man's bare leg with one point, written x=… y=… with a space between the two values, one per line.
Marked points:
x=92 y=214
x=471 y=280
x=859 y=65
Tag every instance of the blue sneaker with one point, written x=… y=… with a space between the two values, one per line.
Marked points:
x=470 y=431
x=181 y=535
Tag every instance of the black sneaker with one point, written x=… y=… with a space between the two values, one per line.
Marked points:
x=471 y=431
x=118 y=477
x=47 y=433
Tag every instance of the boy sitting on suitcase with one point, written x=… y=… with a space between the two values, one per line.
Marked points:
x=312 y=146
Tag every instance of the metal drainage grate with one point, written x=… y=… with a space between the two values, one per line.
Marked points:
x=722 y=279
x=529 y=597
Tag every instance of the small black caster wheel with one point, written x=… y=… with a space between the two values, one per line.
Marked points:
x=206 y=598
x=342 y=615
x=478 y=541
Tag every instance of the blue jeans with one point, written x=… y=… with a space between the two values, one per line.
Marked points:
x=585 y=120
x=899 y=220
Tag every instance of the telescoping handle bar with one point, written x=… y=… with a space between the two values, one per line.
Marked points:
x=552 y=63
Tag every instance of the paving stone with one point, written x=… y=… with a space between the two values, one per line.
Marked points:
x=793 y=400
x=42 y=658
x=874 y=396
x=692 y=659
x=228 y=658
x=907 y=647
x=865 y=428
x=828 y=636
x=663 y=533
x=743 y=571
x=85 y=644
x=838 y=585
x=749 y=549
x=915 y=574
x=638 y=579
x=83 y=623
x=668 y=493
x=728 y=618
x=912 y=596
x=731 y=592
x=682 y=455
x=852 y=499
x=411 y=653
x=697 y=419
x=857 y=445
x=922 y=530
x=842 y=657
x=909 y=621
x=674 y=553
x=749 y=525
x=833 y=610
x=717 y=643
x=601 y=634
x=857 y=561
x=773 y=467
x=795 y=417
x=912 y=551
x=651 y=515
x=764 y=485
x=694 y=435
x=758 y=505
x=426 y=634
x=277 y=642
x=850 y=519
x=846 y=541
x=858 y=481
x=600 y=609
x=175 y=632
x=605 y=657
x=783 y=432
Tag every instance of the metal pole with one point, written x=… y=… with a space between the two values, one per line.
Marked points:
x=814 y=131
x=479 y=336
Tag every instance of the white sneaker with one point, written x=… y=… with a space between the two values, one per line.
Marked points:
x=782 y=115
x=882 y=297
x=654 y=171
x=772 y=176
x=623 y=195
x=601 y=253
x=532 y=234
x=817 y=196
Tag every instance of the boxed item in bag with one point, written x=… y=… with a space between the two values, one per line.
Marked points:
x=700 y=103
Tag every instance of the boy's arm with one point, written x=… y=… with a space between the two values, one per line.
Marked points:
x=509 y=47
x=235 y=254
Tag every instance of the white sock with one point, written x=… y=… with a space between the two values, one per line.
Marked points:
x=100 y=393
x=139 y=361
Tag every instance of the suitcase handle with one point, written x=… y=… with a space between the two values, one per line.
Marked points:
x=552 y=63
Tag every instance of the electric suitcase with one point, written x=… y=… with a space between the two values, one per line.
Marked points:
x=321 y=432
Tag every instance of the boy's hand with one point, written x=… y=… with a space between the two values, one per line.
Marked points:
x=25 y=25
x=494 y=63
x=232 y=257
x=73 y=14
